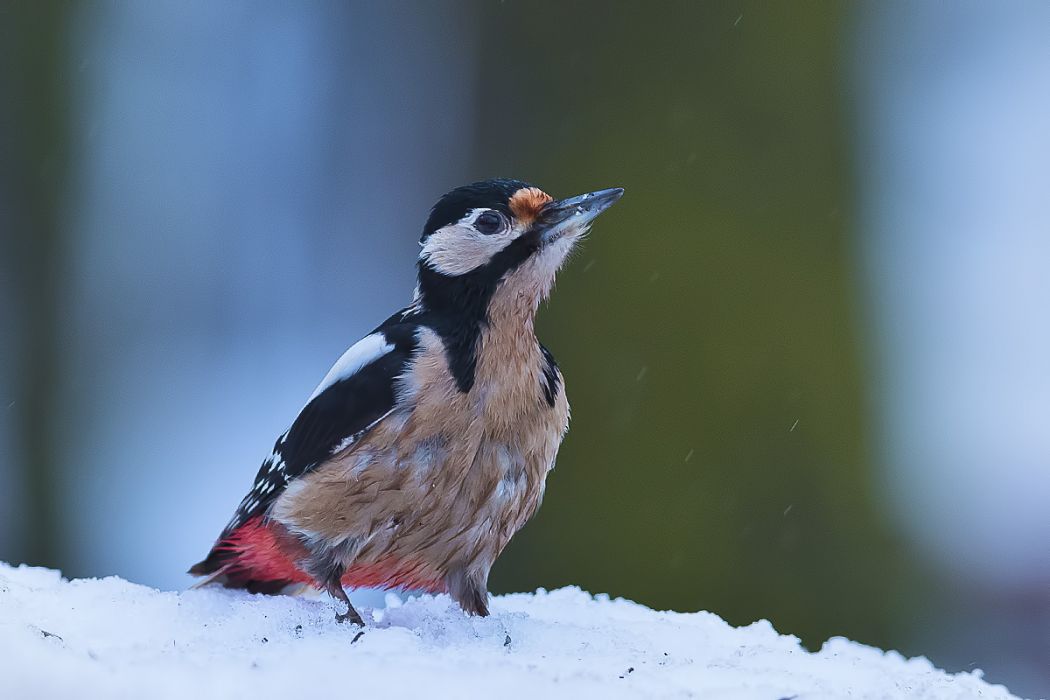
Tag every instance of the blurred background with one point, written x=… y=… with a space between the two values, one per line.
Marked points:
x=808 y=354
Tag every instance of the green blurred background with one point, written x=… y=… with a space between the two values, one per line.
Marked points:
x=708 y=333
x=204 y=203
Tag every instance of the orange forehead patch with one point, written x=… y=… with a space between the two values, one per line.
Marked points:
x=525 y=204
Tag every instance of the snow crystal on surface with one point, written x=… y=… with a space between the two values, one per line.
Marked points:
x=107 y=638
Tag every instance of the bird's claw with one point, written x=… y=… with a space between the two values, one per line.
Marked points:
x=350 y=616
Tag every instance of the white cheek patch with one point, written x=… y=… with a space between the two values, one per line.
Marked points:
x=364 y=351
x=457 y=249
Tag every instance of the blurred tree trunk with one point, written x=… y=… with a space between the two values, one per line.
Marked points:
x=33 y=166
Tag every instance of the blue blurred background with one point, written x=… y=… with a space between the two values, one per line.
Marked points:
x=808 y=354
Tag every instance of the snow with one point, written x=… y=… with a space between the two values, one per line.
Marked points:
x=108 y=638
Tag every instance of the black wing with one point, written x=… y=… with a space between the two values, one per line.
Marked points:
x=340 y=413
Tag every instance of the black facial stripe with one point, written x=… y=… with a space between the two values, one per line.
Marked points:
x=456 y=307
x=487 y=194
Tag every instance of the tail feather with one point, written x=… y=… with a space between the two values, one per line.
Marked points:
x=216 y=576
x=216 y=560
x=250 y=557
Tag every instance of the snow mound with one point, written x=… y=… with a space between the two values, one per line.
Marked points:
x=107 y=638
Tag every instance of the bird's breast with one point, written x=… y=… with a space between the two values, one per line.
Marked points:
x=449 y=476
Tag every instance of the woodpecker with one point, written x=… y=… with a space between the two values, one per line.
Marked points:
x=428 y=443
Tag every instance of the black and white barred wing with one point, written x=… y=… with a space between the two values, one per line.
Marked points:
x=354 y=397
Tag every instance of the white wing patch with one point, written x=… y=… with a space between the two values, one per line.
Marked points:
x=368 y=349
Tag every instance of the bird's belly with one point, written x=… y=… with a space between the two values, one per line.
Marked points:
x=442 y=534
x=449 y=514
x=407 y=512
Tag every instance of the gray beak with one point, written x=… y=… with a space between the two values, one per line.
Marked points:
x=576 y=212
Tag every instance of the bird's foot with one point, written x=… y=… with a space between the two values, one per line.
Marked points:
x=350 y=616
x=353 y=618
x=335 y=589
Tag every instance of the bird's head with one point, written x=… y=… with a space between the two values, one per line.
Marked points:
x=501 y=239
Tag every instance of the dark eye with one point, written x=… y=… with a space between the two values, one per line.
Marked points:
x=489 y=222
